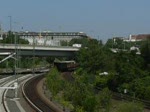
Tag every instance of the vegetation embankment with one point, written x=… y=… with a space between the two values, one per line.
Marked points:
x=126 y=71
x=77 y=95
x=80 y=95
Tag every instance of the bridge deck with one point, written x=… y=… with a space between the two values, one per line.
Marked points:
x=29 y=50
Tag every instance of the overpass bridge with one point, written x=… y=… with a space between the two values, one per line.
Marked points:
x=30 y=50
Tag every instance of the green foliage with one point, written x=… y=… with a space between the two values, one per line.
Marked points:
x=54 y=81
x=7 y=64
x=83 y=41
x=147 y=93
x=80 y=94
x=79 y=109
x=126 y=71
x=145 y=51
x=10 y=39
x=91 y=59
x=123 y=67
x=50 y=60
x=140 y=87
x=26 y=62
x=104 y=99
x=90 y=103
x=66 y=104
x=29 y=62
x=101 y=81
x=127 y=67
x=79 y=90
x=120 y=44
x=109 y=43
x=130 y=107
x=68 y=91
x=64 y=43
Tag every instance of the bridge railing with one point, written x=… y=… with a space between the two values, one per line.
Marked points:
x=37 y=47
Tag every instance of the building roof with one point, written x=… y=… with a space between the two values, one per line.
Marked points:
x=140 y=36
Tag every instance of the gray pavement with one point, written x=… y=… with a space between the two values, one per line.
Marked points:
x=13 y=104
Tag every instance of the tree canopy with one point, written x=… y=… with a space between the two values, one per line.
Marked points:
x=10 y=39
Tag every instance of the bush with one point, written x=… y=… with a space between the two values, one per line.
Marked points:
x=104 y=99
x=54 y=81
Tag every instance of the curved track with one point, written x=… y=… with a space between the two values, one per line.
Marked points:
x=30 y=94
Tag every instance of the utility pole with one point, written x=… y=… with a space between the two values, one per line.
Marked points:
x=10 y=22
x=33 y=55
x=0 y=31
x=98 y=40
x=15 y=60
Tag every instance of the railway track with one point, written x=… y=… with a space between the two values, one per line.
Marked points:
x=120 y=96
x=30 y=93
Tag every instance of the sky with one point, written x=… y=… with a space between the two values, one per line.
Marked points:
x=101 y=19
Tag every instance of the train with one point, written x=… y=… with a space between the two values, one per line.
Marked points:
x=66 y=65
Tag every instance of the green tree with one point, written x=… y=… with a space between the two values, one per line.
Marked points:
x=110 y=43
x=89 y=103
x=64 y=43
x=10 y=39
x=91 y=58
x=145 y=51
x=140 y=88
x=83 y=41
x=81 y=92
x=147 y=93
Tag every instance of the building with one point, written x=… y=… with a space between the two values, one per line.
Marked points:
x=139 y=37
x=50 y=38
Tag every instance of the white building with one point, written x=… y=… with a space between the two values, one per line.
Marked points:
x=50 y=38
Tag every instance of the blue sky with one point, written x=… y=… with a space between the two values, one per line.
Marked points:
x=98 y=18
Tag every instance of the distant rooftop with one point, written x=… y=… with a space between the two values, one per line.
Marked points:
x=140 y=37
